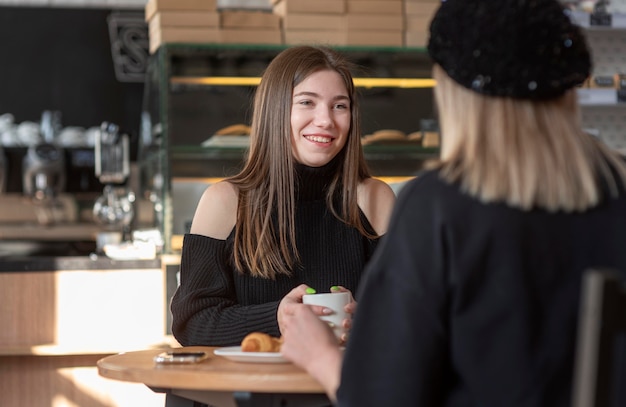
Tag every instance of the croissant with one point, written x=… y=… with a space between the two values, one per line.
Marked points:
x=260 y=342
x=234 y=130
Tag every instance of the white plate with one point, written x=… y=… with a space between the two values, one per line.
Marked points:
x=227 y=141
x=235 y=354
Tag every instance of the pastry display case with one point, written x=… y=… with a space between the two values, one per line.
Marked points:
x=198 y=106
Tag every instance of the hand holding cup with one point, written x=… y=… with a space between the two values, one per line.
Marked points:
x=336 y=302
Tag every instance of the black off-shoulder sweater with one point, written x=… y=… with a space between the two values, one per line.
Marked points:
x=217 y=306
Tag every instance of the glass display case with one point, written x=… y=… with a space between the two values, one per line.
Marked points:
x=194 y=91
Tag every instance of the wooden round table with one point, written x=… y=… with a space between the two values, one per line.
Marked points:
x=216 y=380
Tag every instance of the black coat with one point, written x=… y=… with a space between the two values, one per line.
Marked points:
x=467 y=304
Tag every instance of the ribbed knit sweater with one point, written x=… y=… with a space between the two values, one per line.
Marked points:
x=217 y=306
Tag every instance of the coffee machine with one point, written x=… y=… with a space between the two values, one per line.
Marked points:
x=45 y=183
x=61 y=194
x=44 y=172
x=113 y=210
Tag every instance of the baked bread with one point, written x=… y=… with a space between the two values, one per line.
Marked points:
x=416 y=136
x=260 y=342
x=234 y=130
x=384 y=136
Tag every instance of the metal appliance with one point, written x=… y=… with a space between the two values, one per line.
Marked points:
x=3 y=170
x=51 y=190
x=114 y=209
x=44 y=172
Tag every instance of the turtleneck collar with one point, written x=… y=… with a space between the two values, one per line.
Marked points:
x=312 y=182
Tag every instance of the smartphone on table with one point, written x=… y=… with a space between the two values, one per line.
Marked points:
x=177 y=357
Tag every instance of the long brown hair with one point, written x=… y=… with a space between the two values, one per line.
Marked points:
x=267 y=181
x=522 y=152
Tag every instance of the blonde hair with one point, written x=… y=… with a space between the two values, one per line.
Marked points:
x=524 y=153
x=267 y=181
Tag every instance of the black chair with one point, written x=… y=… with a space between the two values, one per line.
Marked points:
x=601 y=350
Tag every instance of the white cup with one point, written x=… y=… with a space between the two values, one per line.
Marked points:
x=334 y=301
x=105 y=238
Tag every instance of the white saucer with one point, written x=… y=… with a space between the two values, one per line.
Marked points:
x=235 y=354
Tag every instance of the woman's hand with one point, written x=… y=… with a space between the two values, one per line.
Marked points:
x=292 y=299
x=311 y=344
x=350 y=310
x=305 y=335
x=285 y=307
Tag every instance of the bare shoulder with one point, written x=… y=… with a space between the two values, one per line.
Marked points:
x=376 y=200
x=216 y=212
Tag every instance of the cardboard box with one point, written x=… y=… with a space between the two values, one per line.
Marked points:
x=245 y=5
x=421 y=7
x=357 y=37
x=417 y=22
x=249 y=36
x=163 y=35
x=374 y=6
x=383 y=22
x=375 y=38
x=285 y=7
x=416 y=39
x=249 y=19
x=314 y=21
x=179 y=5
x=296 y=37
x=168 y=18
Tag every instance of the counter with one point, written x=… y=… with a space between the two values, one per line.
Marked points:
x=59 y=315
x=68 y=263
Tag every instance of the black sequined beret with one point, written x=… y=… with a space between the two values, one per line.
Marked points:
x=526 y=49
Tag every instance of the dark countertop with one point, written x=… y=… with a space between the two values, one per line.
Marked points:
x=62 y=255
x=55 y=263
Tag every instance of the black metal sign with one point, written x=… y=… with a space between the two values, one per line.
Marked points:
x=129 y=45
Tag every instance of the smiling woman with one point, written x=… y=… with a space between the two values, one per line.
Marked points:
x=303 y=210
x=320 y=118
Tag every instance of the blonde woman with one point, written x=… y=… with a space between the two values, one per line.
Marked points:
x=303 y=210
x=473 y=297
